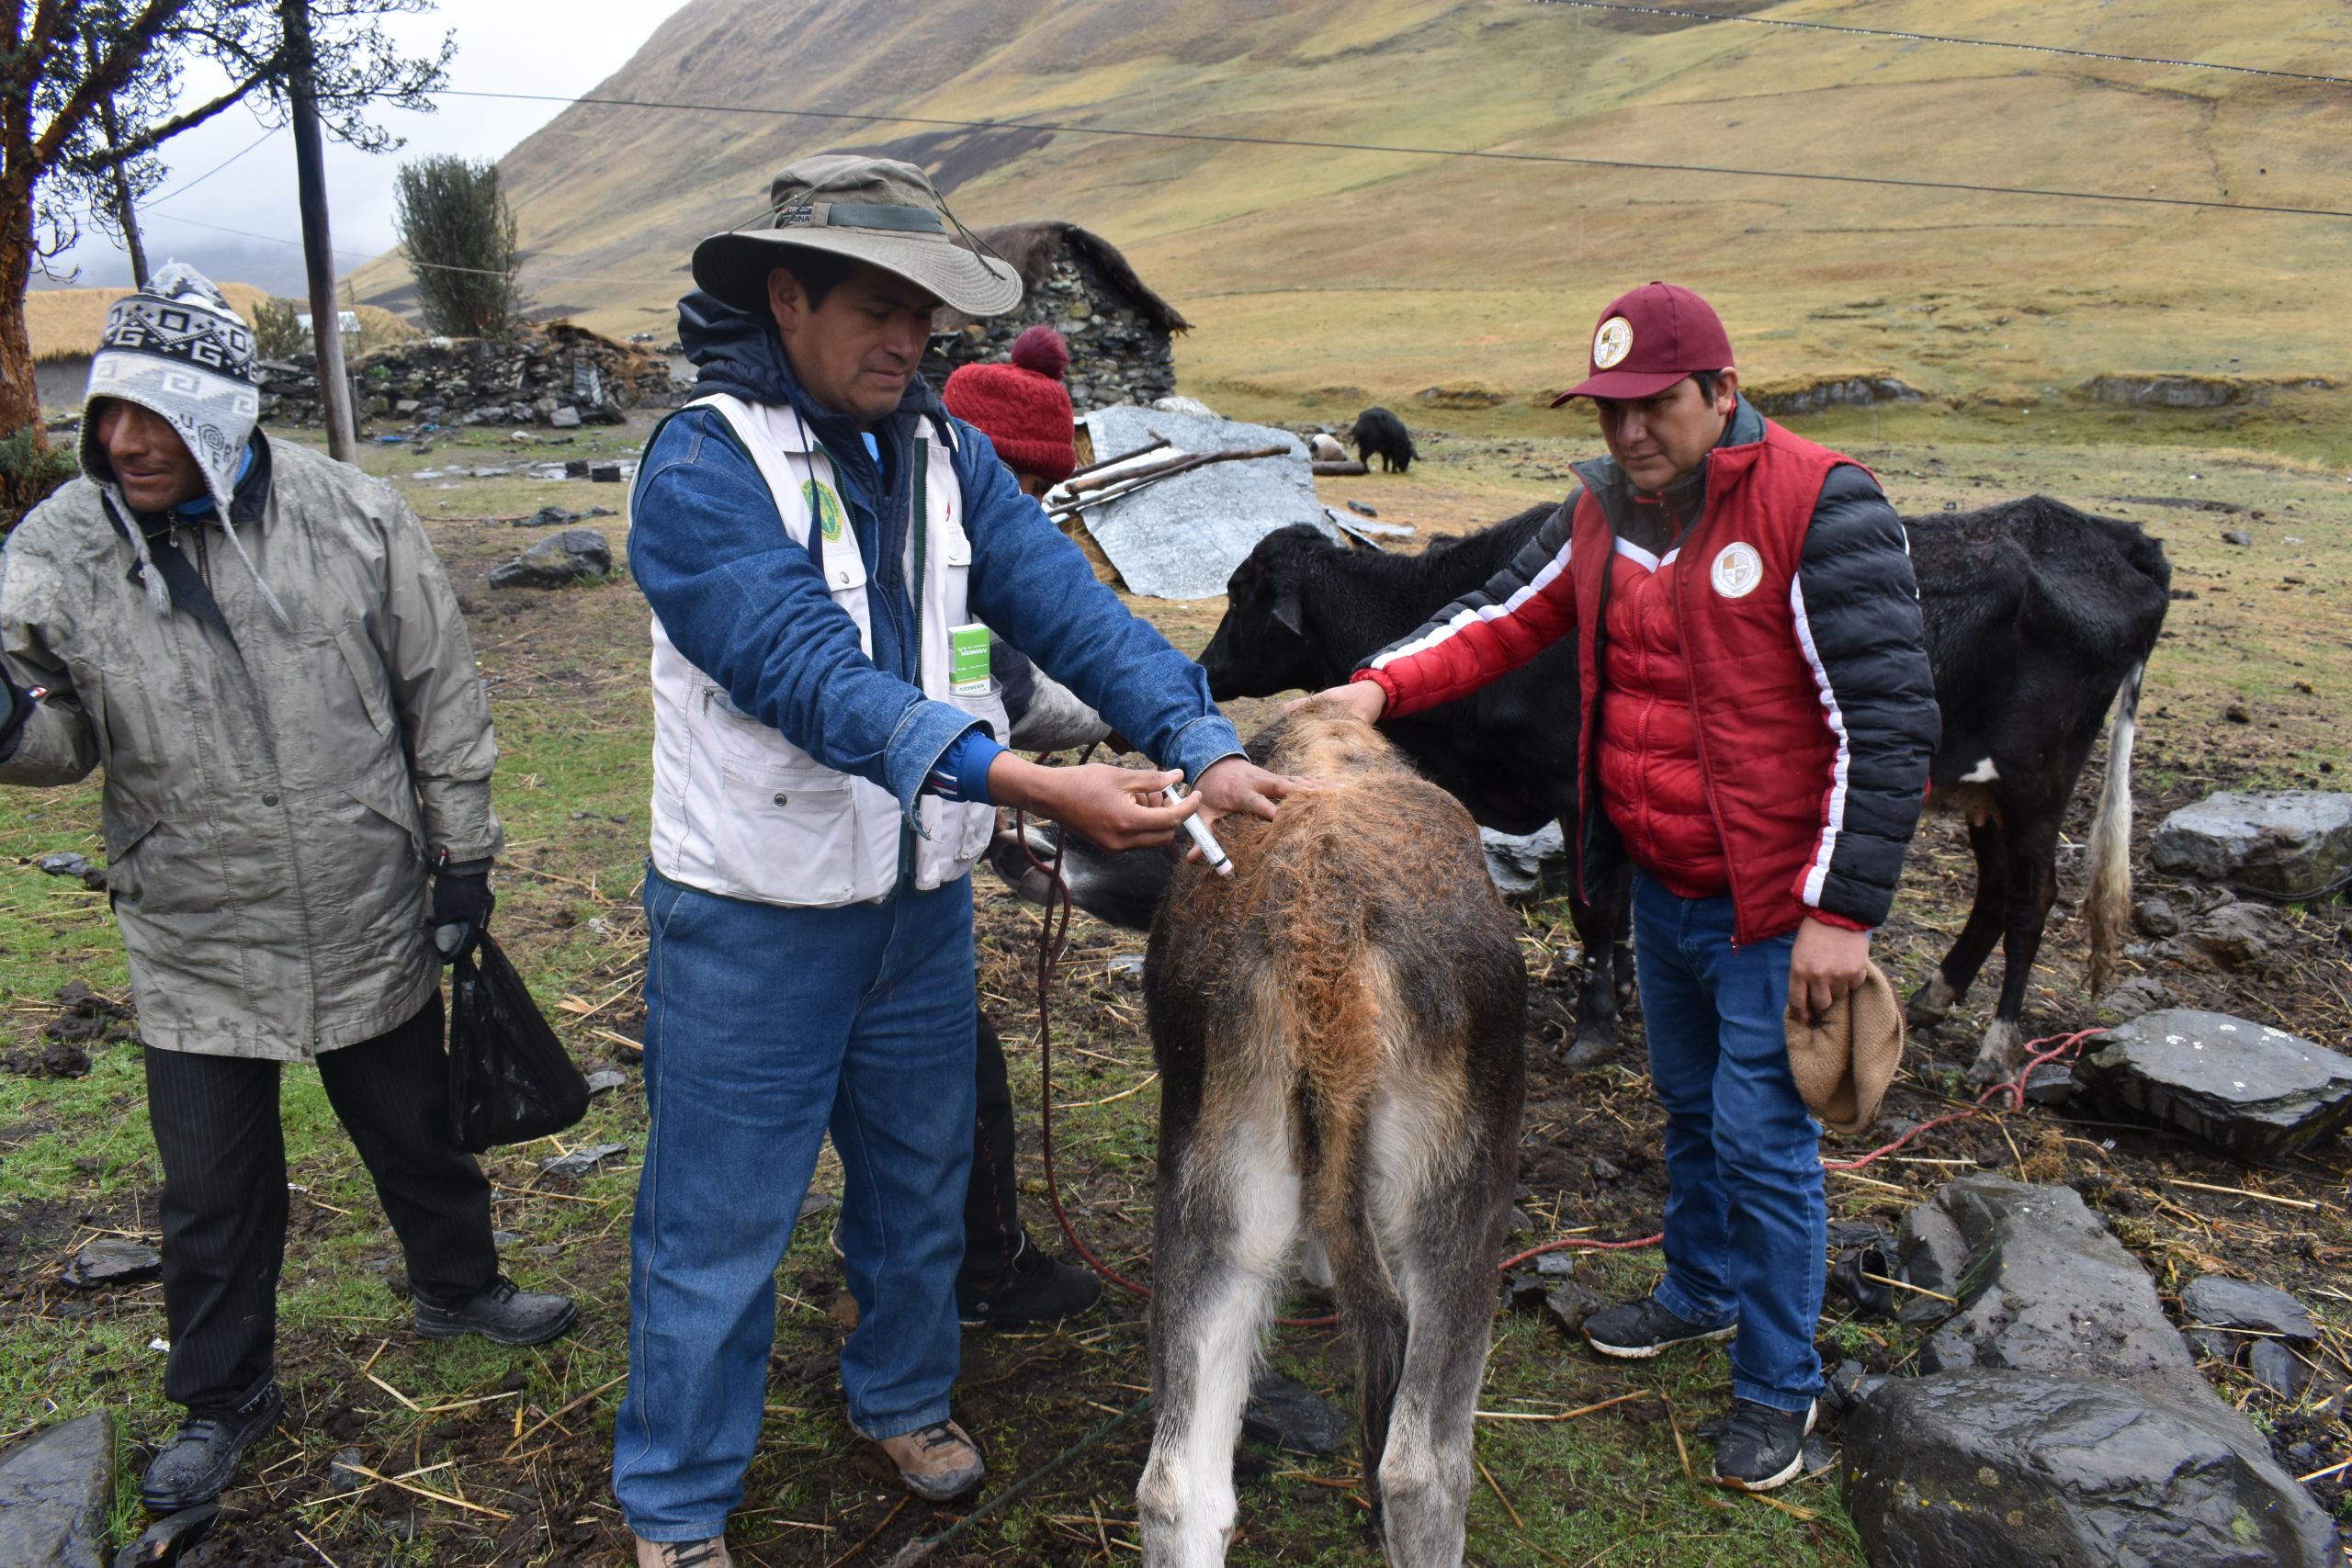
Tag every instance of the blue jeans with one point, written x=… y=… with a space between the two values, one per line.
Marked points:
x=765 y=1028
x=1746 y=1222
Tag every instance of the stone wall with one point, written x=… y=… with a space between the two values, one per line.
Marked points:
x=1120 y=350
x=560 y=375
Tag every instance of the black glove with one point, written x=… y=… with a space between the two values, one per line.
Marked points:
x=461 y=905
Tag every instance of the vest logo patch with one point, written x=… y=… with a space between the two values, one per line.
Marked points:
x=1738 y=569
x=1613 y=342
x=825 y=507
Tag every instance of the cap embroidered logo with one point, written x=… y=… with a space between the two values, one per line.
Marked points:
x=1613 y=342
x=1738 y=569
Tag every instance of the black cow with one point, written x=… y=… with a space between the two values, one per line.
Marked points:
x=1379 y=433
x=2037 y=616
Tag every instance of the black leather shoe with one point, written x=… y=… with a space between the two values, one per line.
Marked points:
x=1761 y=1448
x=1038 y=1289
x=1634 y=1331
x=502 y=1314
x=202 y=1455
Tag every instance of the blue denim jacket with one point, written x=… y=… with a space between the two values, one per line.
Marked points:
x=751 y=610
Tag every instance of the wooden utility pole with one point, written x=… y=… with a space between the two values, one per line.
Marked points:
x=318 y=250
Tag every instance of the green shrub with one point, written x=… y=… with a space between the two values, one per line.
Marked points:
x=278 y=333
x=30 y=467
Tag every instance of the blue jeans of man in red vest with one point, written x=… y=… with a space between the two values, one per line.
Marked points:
x=1745 y=1217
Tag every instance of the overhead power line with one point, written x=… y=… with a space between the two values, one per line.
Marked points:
x=1942 y=38
x=1564 y=159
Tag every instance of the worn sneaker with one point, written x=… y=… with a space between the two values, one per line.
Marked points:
x=938 y=1462
x=711 y=1553
x=502 y=1314
x=198 y=1463
x=1761 y=1448
x=1037 y=1289
x=1634 y=1331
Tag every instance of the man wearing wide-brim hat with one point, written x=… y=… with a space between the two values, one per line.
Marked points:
x=825 y=550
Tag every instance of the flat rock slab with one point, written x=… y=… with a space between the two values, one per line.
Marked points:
x=1988 y=1466
x=576 y=555
x=580 y=1161
x=1528 y=865
x=55 y=1488
x=2256 y=1091
x=1293 y=1417
x=1182 y=537
x=110 y=1261
x=2220 y=1301
x=2042 y=1283
x=2286 y=844
x=172 y=1536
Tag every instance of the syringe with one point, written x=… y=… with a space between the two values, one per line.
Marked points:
x=1212 y=852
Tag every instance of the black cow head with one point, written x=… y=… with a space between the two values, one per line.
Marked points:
x=1262 y=645
x=1121 y=887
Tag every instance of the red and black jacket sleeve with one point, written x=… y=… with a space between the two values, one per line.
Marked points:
x=1485 y=634
x=1858 y=623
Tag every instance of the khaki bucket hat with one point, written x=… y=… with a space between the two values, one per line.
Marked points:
x=1844 y=1063
x=870 y=210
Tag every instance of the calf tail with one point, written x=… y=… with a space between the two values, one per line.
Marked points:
x=2108 y=904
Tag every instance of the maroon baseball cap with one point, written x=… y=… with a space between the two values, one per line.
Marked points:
x=1648 y=340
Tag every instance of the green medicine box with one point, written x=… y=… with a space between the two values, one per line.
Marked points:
x=967 y=659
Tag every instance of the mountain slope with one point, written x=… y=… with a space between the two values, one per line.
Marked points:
x=1341 y=276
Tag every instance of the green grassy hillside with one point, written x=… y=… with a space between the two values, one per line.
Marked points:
x=1325 y=278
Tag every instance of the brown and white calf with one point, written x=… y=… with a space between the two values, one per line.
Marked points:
x=1337 y=1028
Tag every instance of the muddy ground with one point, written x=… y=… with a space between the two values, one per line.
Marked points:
x=503 y=1456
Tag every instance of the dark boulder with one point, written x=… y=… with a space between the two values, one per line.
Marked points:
x=2256 y=1091
x=55 y=1489
x=1994 y=1466
x=2220 y=1301
x=1293 y=1417
x=112 y=1261
x=576 y=555
x=2042 y=1285
x=2289 y=844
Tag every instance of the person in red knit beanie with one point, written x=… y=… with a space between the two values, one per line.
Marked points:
x=1024 y=411
x=1022 y=408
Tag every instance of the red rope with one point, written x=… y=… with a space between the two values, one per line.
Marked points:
x=1052 y=937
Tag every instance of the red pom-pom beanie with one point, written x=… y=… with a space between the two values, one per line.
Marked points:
x=1022 y=408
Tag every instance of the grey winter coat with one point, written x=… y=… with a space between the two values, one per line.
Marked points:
x=271 y=804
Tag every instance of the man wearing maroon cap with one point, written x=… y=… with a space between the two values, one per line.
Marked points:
x=1757 y=718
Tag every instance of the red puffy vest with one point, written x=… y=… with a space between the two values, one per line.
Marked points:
x=1769 y=760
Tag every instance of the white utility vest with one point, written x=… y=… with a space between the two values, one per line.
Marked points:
x=740 y=810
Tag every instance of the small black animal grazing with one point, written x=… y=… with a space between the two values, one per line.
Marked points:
x=1379 y=433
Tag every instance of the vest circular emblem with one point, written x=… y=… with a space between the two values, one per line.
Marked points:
x=825 y=507
x=1613 y=342
x=1738 y=569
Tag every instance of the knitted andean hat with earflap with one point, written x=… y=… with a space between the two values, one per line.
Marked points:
x=1022 y=408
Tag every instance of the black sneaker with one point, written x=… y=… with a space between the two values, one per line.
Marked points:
x=1634 y=1331
x=502 y=1314
x=194 y=1467
x=1761 y=1448
x=1038 y=1289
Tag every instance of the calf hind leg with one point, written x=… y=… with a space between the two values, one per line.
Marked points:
x=1601 y=930
x=1222 y=1233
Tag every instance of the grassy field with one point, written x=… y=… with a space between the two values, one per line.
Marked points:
x=1357 y=277
x=503 y=1452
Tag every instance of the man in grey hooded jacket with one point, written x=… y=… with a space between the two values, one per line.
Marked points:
x=259 y=647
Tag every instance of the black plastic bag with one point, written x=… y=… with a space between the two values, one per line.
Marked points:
x=510 y=1078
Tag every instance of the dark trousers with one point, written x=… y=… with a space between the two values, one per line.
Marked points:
x=224 y=1195
x=992 y=1234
